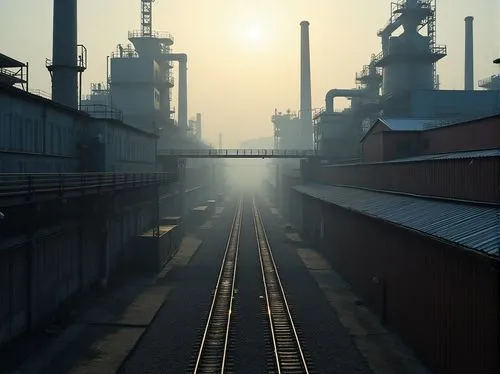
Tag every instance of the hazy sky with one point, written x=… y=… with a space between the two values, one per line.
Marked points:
x=244 y=55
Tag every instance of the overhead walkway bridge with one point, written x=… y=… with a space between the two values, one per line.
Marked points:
x=238 y=153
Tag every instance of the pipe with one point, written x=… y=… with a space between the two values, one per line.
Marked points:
x=305 y=86
x=469 y=54
x=64 y=53
x=182 y=104
x=332 y=94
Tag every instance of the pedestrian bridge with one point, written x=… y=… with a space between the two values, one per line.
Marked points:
x=238 y=153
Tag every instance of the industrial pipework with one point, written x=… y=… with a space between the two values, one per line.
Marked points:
x=332 y=94
x=469 y=54
x=181 y=58
x=305 y=86
x=64 y=67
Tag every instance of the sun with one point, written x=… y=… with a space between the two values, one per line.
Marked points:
x=253 y=34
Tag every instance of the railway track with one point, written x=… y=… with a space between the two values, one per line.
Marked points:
x=284 y=344
x=288 y=354
x=212 y=355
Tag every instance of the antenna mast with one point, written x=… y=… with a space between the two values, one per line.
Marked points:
x=147 y=17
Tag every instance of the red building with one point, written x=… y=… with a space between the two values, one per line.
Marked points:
x=389 y=139
x=417 y=237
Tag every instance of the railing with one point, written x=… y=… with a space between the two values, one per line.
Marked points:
x=433 y=50
x=102 y=111
x=41 y=93
x=492 y=80
x=239 y=153
x=154 y=34
x=20 y=184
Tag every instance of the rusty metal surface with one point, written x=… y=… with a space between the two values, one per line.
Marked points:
x=469 y=226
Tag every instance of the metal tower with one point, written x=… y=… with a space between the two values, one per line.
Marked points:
x=409 y=60
x=147 y=17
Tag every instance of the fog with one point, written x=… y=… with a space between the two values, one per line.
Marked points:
x=247 y=174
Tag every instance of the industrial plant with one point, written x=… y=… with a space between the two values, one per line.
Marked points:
x=399 y=83
x=367 y=241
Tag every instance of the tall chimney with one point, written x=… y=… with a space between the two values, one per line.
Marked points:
x=469 y=54
x=305 y=86
x=183 y=110
x=198 y=125
x=64 y=67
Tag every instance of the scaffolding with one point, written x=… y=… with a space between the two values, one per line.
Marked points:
x=427 y=22
x=146 y=17
x=13 y=73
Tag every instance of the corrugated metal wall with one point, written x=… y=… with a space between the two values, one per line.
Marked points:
x=37 y=277
x=443 y=302
x=469 y=179
x=39 y=137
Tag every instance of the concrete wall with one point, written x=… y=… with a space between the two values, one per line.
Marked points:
x=442 y=301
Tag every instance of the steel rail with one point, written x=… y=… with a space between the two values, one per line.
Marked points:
x=289 y=357
x=214 y=344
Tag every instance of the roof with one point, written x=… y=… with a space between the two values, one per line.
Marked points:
x=452 y=156
x=406 y=124
x=470 y=226
x=9 y=62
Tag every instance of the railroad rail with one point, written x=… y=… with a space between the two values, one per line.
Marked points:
x=289 y=357
x=212 y=354
x=28 y=185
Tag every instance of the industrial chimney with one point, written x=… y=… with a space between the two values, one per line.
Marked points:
x=183 y=110
x=469 y=54
x=64 y=67
x=198 y=125
x=305 y=86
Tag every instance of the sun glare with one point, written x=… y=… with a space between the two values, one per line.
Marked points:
x=254 y=34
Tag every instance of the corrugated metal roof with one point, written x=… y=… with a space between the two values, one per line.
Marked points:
x=412 y=124
x=471 y=226
x=453 y=155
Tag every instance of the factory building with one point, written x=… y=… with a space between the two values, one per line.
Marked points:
x=403 y=199
x=89 y=195
x=390 y=139
x=428 y=260
x=40 y=136
x=401 y=82
x=139 y=86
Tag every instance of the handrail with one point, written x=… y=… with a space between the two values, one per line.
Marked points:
x=292 y=153
x=15 y=184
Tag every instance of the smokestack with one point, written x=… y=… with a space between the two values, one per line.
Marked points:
x=305 y=86
x=183 y=110
x=469 y=54
x=198 y=125
x=64 y=67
